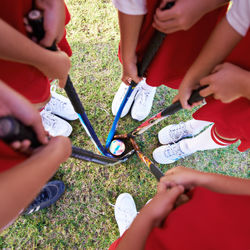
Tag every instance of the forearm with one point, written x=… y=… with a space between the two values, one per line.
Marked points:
x=16 y=47
x=220 y=44
x=224 y=184
x=130 y=26
x=20 y=184
x=137 y=234
x=210 y=5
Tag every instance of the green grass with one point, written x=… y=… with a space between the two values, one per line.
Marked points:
x=83 y=218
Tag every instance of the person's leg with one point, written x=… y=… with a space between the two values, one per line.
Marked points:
x=20 y=184
x=125 y=211
x=206 y=140
x=175 y=132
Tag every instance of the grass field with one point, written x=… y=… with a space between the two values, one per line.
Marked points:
x=83 y=217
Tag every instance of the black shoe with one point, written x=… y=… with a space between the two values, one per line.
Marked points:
x=49 y=194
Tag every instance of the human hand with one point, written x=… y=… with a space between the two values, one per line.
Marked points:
x=130 y=71
x=13 y=104
x=227 y=83
x=185 y=91
x=55 y=65
x=60 y=146
x=53 y=21
x=182 y=16
x=162 y=204
x=186 y=177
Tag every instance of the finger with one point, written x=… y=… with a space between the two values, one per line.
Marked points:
x=48 y=40
x=206 y=80
x=162 y=186
x=41 y=133
x=176 y=98
x=62 y=82
x=28 y=29
x=196 y=104
x=174 y=193
x=25 y=21
x=126 y=80
x=206 y=92
x=163 y=25
x=34 y=39
x=25 y=146
x=165 y=15
x=16 y=145
x=184 y=100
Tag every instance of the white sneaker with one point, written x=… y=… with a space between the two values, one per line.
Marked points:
x=143 y=102
x=55 y=125
x=174 y=133
x=125 y=211
x=61 y=106
x=119 y=98
x=169 y=153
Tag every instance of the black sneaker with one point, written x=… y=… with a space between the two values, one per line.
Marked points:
x=49 y=194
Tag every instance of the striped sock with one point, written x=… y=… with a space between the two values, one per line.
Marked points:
x=204 y=141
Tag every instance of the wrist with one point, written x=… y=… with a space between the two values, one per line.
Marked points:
x=149 y=217
x=244 y=85
x=129 y=58
x=204 y=179
x=146 y=218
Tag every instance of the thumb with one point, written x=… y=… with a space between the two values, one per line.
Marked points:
x=174 y=193
x=62 y=82
x=184 y=96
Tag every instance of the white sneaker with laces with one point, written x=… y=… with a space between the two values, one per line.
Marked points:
x=55 y=125
x=61 y=106
x=169 y=153
x=174 y=133
x=119 y=98
x=143 y=102
x=125 y=211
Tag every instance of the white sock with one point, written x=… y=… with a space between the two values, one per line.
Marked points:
x=201 y=142
x=195 y=126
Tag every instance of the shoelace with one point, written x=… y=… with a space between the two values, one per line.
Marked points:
x=42 y=197
x=178 y=131
x=48 y=119
x=143 y=95
x=56 y=104
x=174 y=149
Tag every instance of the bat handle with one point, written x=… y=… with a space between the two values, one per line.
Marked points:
x=156 y=171
x=35 y=20
x=195 y=96
x=168 y=6
x=12 y=130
